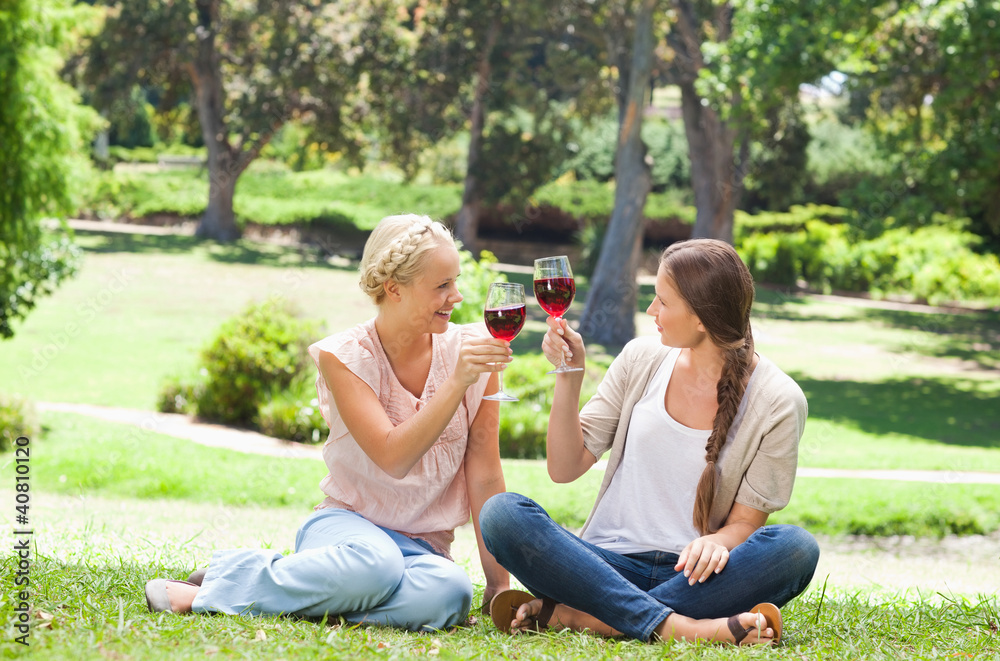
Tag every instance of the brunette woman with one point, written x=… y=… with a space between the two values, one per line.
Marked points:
x=703 y=435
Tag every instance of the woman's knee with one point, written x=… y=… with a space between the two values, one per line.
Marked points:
x=376 y=566
x=801 y=550
x=499 y=516
x=444 y=590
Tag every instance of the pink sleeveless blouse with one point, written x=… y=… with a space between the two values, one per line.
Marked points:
x=432 y=499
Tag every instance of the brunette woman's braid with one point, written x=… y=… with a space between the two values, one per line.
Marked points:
x=718 y=287
x=732 y=384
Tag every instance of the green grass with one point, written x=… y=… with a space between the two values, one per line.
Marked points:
x=97 y=613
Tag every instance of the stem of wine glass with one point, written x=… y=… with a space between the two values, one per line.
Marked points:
x=562 y=354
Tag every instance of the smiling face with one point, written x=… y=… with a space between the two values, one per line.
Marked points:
x=677 y=324
x=433 y=294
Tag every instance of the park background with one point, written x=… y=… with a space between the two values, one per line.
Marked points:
x=850 y=152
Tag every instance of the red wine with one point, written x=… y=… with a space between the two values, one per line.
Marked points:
x=505 y=323
x=555 y=294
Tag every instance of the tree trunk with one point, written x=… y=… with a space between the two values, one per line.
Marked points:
x=467 y=221
x=715 y=177
x=609 y=317
x=224 y=162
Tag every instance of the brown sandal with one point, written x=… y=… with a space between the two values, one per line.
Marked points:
x=503 y=609
x=772 y=619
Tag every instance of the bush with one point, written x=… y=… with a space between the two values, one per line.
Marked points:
x=18 y=417
x=293 y=414
x=254 y=354
x=474 y=283
x=179 y=396
x=523 y=427
x=666 y=146
x=935 y=263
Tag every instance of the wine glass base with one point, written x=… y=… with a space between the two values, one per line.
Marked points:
x=501 y=397
x=562 y=369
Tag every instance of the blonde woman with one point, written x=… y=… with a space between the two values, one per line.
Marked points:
x=412 y=452
x=703 y=435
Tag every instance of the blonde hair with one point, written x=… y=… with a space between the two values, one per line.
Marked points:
x=396 y=250
x=718 y=287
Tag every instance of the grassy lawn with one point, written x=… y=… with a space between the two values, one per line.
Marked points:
x=887 y=389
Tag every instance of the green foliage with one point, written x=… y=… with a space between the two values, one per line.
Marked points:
x=256 y=353
x=523 y=427
x=666 y=145
x=43 y=133
x=179 y=395
x=828 y=507
x=293 y=146
x=18 y=417
x=778 y=177
x=293 y=414
x=926 y=81
x=841 y=157
x=130 y=121
x=31 y=274
x=475 y=282
x=936 y=264
x=271 y=196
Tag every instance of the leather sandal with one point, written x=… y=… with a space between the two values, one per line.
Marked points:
x=772 y=619
x=157 y=599
x=197 y=577
x=503 y=609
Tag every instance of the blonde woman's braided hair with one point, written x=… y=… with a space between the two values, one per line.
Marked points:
x=396 y=250
x=718 y=287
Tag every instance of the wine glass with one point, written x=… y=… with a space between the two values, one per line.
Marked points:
x=504 y=314
x=554 y=291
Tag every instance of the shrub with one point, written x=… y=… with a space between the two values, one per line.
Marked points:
x=523 y=427
x=255 y=353
x=474 y=283
x=179 y=396
x=18 y=417
x=293 y=414
x=666 y=146
x=936 y=263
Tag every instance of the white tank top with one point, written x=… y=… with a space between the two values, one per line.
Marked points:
x=650 y=501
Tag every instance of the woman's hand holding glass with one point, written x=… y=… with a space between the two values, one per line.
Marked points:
x=562 y=345
x=480 y=354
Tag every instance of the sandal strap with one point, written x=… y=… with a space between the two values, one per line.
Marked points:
x=737 y=629
x=545 y=614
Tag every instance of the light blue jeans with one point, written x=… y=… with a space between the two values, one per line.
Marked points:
x=343 y=565
x=635 y=592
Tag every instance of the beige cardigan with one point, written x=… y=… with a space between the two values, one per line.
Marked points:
x=756 y=467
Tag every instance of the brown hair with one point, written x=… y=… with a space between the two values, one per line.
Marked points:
x=718 y=288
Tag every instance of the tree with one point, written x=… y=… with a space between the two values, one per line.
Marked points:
x=43 y=136
x=739 y=64
x=930 y=75
x=512 y=73
x=609 y=317
x=251 y=66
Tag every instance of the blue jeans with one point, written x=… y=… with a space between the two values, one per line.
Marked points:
x=343 y=565
x=635 y=592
